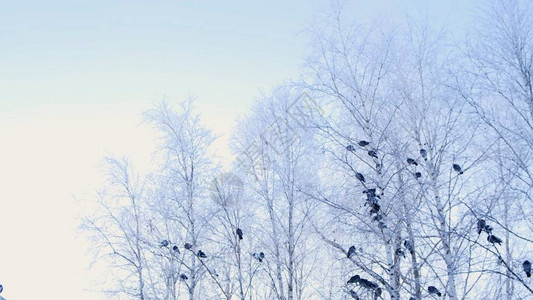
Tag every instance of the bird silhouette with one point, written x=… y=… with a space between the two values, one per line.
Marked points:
x=363 y=143
x=201 y=254
x=188 y=246
x=183 y=277
x=418 y=175
x=409 y=246
x=457 y=168
x=494 y=239
x=164 y=243
x=175 y=249
x=239 y=233
x=375 y=208
x=351 y=251
x=527 y=268
x=373 y=153
x=434 y=291
x=411 y=161
x=424 y=154
x=481 y=225
x=354 y=279
x=350 y=148
x=360 y=177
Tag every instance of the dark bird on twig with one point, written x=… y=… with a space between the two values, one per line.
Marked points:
x=183 y=277
x=360 y=177
x=201 y=254
x=378 y=218
x=354 y=295
x=164 y=243
x=418 y=175
x=527 y=268
x=350 y=148
x=375 y=208
x=412 y=162
x=408 y=246
x=481 y=225
x=494 y=239
x=488 y=229
x=424 y=154
x=373 y=153
x=434 y=290
x=239 y=233
x=457 y=168
x=351 y=251
x=175 y=249
x=382 y=225
x=368 y=284
x=363 y=143
x=188 y=246
x=354 y=279
x=400 y=252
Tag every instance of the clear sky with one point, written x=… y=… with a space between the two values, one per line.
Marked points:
x=75 y=77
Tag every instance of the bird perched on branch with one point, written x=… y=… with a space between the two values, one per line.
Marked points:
x=409 y=246
x=457 y=168
x=350 y=148
x=164 y=243
x=434 y=291
x=175 y=249
x=424 y=154
x=239 y=233
x=373 y=153
x=481 y=225
x=201 y=254
x=360 y=177
x=183 y=277
x=363 y=143
x=351 y=251
x=418 y=175
x=411 y=161
x=354 y=279
x=494 y=239
x=527 y=268
x=188 y=246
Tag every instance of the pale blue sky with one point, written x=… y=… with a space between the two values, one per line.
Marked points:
x=75 y=76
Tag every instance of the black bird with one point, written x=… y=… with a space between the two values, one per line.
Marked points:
x=354 y=295
x=424 y=154
x=408 y=246
x=481 y=225
x=351 y=251
x=175 y=249
x=188 y=246
x=494 y=239
x=457 y=168
x=373 y=153
x=350 y=148
x=363 y=143
x=375 y=208
x=239 y=233
x=354 y=279
x=183 y=277
x=399 y=252
x=527 y=268
x=368 y=284
x=164 y=243
x=201 y=254
x=261 y=255
x=378 y=218
x=488 y=229
x=412 y=162
x=360 y=177
x=418 y=175
x=370 y=192
x=382 y=225
x=434 y=290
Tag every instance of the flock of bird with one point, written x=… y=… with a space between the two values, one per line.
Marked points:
x=200 y=254
x=373 y=195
